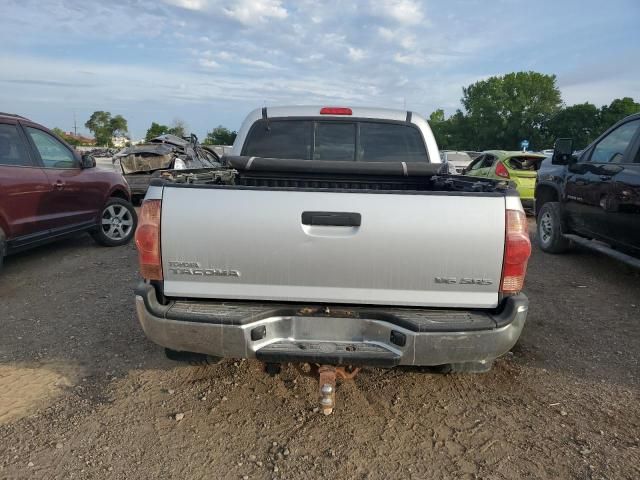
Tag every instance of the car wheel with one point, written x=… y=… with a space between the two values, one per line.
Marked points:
x=549 y=226
x=117 y=223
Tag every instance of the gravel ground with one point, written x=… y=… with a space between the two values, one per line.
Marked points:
x=83 y=394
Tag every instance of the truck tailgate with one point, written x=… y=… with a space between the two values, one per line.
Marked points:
x=422 y=249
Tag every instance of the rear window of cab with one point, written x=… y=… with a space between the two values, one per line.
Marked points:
x=363 y=141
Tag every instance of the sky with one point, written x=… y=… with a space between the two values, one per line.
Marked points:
x=209 y=62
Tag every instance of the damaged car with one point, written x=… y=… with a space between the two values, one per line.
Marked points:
x=519 y=167
x=165 y=153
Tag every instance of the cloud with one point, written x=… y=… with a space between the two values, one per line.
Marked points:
x=47 y=83
x=211 y=59
x=409 y=58
x=189 y=4
x=400 y=37
x=407 y=12
x=227 y=56
x=386 y=33
x=356 y=54
x=247 y=12
x=313 y=58
x=257 y=63
x=250 y=11
x=208 y=63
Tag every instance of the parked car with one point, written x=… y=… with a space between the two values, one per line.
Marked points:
x=49 y=191
x=334 y=240
x=592 y=197
x=459 y=160
x=519 y=167
x=140 y=163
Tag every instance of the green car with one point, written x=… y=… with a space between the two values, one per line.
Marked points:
x=519 y=167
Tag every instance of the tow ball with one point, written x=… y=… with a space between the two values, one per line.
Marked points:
x=327 y=375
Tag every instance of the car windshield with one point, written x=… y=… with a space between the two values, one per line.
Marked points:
x=364 y=141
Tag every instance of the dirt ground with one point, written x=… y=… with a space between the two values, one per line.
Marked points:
x=83 y=394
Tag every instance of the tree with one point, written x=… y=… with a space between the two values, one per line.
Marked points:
x=220 y=136
x=457 y=133
x=452 y=133
x=104 y=126
x=59 y=132
x=155 y=130
x=580 y=122
x=438 y=126
x=437 y=116
x=504 y=110
x=71 y=140
x=617 y=110
x=179 y=128
x=119 y=125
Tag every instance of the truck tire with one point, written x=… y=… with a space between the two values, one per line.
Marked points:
x=549 y=229
x=117 y=223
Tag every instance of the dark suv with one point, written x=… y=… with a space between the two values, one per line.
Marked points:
x=592 y=198
x=48 y=191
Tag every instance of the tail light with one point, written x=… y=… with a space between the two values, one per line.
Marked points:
x=517 y=250
x=335 y=111
x=148 y=240
x=502 y=171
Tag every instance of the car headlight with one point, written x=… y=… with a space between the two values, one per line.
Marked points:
x=179 y=164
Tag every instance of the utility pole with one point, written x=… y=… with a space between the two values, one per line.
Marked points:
x=75 y=126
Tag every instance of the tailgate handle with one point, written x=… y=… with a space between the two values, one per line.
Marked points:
x=332 y=219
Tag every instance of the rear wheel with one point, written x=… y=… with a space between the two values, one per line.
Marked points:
x=117 y=223
x=549 y=226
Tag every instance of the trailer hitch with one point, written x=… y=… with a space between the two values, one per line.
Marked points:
x=327 y=375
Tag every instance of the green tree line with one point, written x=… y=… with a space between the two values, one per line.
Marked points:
x=104 y=126
x=218 y=136
x=501 y=111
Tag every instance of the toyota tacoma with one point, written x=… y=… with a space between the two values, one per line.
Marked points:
x=331 y=237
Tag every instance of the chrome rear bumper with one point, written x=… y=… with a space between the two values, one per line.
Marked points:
x=354 y=335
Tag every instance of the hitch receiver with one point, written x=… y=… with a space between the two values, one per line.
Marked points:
x=327 y=375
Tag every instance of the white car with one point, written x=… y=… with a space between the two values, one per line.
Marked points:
x=458 y=160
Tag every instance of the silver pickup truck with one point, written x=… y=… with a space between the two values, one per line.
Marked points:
x=331 y=237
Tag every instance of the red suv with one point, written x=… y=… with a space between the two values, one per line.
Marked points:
x=49 y=191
